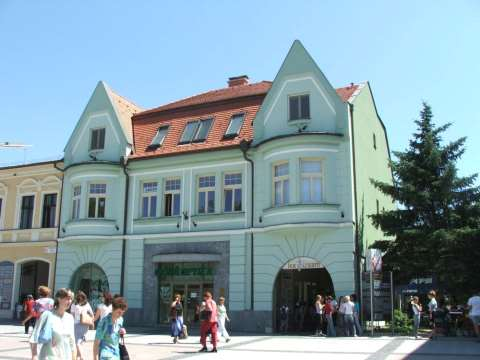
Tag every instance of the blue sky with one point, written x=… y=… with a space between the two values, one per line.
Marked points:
x=152 y=52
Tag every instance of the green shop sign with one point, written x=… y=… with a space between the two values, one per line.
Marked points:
x=185 y=269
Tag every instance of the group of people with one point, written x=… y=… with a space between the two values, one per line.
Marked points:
x=212 y=316
x=329 y=316
x=439 y=315
x=60 y=325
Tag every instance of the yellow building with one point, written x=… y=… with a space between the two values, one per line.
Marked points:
x=29 y=213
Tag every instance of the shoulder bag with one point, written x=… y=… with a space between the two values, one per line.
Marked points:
x=45 y=333
x=123 y=349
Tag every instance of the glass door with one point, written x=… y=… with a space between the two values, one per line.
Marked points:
x=193 y=301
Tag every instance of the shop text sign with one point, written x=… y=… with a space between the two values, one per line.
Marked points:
x=302 y=263
x=185 y=270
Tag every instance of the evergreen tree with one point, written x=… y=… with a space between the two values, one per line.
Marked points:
x=436 y=226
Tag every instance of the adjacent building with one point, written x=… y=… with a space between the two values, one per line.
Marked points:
x=259 y=192
x=29 y=212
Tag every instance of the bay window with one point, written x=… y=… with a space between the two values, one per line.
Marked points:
x=97 y=201
x=281 y=191
x=311 y=181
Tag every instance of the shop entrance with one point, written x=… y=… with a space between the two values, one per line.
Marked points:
x=33 y=274
x=190 y=280
x=296 y=286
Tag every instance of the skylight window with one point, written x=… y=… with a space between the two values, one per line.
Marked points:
x=159 y=137
x=235 y=125
x=196 y=131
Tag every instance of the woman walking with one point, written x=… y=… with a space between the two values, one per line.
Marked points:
x=222 y=316
x=417 y=312
x=319 y=315
x=81 y=312
x=29 y=320
x=109 y=331
x=105 y=307
x=61 y=346
x=208 y=315
x=176 y=318
x=328 y=311
x=356 y=315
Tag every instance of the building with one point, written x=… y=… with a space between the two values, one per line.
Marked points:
x=258 y=192
x=29 y=212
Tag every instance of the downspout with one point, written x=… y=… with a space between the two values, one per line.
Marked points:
x=59 y=221
x=124 y=162
x=244 y=146
x=357 y=253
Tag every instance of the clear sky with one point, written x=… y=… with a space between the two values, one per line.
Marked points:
x=52 y=54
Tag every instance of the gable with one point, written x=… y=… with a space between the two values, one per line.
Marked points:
x=299 y=75
x=105 y=110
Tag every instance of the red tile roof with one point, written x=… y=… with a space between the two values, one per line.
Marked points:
x=217 y=104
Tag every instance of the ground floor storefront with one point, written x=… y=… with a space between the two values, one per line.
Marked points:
x=23 y=268
x=256 y=273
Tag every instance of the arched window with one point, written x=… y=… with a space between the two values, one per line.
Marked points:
x=92 y=280
x=6 y=284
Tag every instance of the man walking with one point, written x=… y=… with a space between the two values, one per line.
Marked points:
x=208 y=315
x=473 y=306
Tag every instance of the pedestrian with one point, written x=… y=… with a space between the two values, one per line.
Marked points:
x=347 y=308
x=222 y=317
x=339 y=316
x=328 y=312
x=473 y=305
x=356 y=315
x=61 y=346
x=109 y=331
x=105 y=307
x=284 y=312
x=432 y=308
x=83 y=318
x=176 y=318
x=28 y=308
x=42 y=304
x=417 y=313
x=208 y=316
x=319 y=315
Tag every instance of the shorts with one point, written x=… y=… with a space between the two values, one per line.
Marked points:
x=475 y=319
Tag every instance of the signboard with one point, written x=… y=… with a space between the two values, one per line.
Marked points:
x=374 y=262
x=382 y=301
x=302 y=263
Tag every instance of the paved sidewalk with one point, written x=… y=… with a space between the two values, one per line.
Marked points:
x=14 y=346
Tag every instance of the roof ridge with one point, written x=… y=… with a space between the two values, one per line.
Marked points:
x=204 y=93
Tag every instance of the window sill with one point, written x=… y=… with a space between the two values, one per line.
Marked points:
x=312 y=206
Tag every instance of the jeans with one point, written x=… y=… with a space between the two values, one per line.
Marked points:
x=349 y=325
x=358 y=327
x=330 y=326
x=416 y=324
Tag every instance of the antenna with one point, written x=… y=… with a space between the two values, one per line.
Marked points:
x=7 y=144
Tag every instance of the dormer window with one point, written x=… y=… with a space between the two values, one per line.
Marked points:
x=97 y=139
x=196 y=131
x=235 y=125
x=159 y=137
x=299 y=107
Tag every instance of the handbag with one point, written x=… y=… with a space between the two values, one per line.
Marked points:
x=205 y=314
x=86 y=319
x=45 y=333
x=123 y=349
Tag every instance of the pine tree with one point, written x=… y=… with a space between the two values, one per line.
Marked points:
x=436 y=226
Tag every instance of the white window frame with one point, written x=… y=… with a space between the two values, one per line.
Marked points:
x=158 y=143
x=19 y=213
x=232 y=188
x=282 y=179
x=149 y=195
x=76 y=202
x=311 y=176
x=206 y=189
x=299 y=107
x=91 y=138
x=97 y=197
x=173 y=192
x=43 y=194
x=229 y=134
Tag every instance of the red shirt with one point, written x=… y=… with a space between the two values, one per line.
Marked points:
x=29 y=306
x=328 y=308
x=211 y=305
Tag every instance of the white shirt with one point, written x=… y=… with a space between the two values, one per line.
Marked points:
x=474 y=302
x=77 y=310
x=104 y=310
x=347 y=308
x=416 y=309
x=432 y=305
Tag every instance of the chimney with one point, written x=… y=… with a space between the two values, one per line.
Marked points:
x=238 y=81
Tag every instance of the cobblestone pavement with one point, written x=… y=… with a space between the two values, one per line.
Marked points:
x=143 y=346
